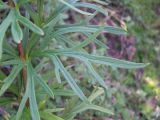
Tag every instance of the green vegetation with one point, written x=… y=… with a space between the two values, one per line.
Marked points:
x=74 y=59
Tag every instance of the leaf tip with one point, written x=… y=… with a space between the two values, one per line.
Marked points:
x=42 y=33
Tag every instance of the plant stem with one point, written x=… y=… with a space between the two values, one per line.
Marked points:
x=21 y=52
x=22 y=56
x=24 y=71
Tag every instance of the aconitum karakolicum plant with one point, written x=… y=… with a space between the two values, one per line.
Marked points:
x=33 y=32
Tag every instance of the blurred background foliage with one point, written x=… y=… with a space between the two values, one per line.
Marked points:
x=135 y=95
x=142 y=18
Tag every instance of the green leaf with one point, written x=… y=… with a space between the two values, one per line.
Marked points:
x=91 y=28
x=31 y=12
x=16 y=32
x=98 y=42
x=8 y=49
x=101 y=44
x=69 y=78
x=95 y=74
x=63 y=92
x=100 y=59
x=30 y=25
x=11 y=62
x=3 y=27
x=32 y=97
x=53 y=21
x=109 y=61
x=55 y=110
x=102 y=2
x=23 y=102
x=96 y=93
x=42 y=83
x=92 y=6
x=111 y=29
x=74 y=8
x=29 y=93
x=88 y=64
x=57 y=73
x=49 y=116
x=88 y=40
x=8 y=81
x=83 y=107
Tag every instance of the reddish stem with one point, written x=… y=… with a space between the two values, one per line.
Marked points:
x=24 y=71
x=21 y=52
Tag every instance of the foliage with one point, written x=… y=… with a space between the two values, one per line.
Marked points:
x=146 y=30
x=41 y=38
x=139 y=90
